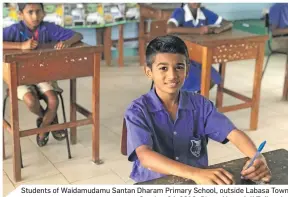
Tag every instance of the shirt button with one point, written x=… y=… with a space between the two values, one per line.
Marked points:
x=175 y=133
x=177 y=158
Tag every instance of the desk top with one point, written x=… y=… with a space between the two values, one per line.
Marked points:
x=224 y=37
x=9 y=55
x=277 y=161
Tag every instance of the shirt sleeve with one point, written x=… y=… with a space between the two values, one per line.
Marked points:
x=137 y=131
x=217 y=125
x=58 y=33
x=177 y=17
x=212 y=18
x=9 y=34
x=274 y=16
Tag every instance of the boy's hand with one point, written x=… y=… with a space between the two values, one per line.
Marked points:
x=211 y=30
x=29 y=44
x=217 y=176
x=259 y=171
x=62 y=45
x=204 y=30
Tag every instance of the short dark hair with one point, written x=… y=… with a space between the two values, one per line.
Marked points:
x=165 y=44
x=21 y=6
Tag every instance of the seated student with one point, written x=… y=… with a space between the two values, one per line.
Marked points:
x=167 y=128
x=27 y=34
x=278 y=20
x=190 y=18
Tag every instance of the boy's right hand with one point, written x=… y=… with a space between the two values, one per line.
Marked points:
x=29 y=44
x=217 y=176
x=204 y=30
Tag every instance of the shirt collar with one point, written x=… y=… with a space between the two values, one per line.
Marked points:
x=189 y=16
x=154 y=103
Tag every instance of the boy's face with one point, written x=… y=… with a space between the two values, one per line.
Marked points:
x=32 y=15
x=168 y=72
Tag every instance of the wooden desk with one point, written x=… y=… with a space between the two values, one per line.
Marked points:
x=47 y=64
x=277 y=161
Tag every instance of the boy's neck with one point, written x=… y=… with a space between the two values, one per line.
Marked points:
x=30 y=28
x=169 y=100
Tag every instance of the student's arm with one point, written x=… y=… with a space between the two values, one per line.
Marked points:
x=175 y=23
x=67 y=43
x=161 y=164
x=139 y=146
x=216 y=23
x=64 y=37
x=219 y=128
x=224 y=26
x=259 y=170
x=12 y=45
x=9 y=34
x=278 y=31
x=29 y=44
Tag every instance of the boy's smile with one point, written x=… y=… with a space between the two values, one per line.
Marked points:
x=168 y=72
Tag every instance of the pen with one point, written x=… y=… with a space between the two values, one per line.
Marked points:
x=24 y=35
x=257 y=154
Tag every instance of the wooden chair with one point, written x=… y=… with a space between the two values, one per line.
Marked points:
x=59 y=92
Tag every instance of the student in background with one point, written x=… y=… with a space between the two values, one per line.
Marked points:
x=28 y=34
x=190 y=18
x=278 y=20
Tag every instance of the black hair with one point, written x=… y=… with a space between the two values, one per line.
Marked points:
x=165 y=44
x=21 y=6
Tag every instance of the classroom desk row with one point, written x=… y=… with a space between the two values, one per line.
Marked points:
x=34 y=66
x=103 y=37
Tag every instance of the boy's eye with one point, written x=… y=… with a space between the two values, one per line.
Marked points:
x=180 y=67
x=30 y=12
x=163 y=68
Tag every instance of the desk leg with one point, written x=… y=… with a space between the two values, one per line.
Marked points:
x=121 y=46
x=285 y=87
x=95 y=109
x=141 y=42
x=14 y=121
x=107 y=45
x=219 y=97
x=257 y=87
x=73 y=117
x=99 y=38
x=206 y=71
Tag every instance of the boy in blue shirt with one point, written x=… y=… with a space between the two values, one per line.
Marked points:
x=278 y=20
x=167 y=128
x=190 y=18
x=28 y=34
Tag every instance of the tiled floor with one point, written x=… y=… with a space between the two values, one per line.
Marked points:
x=119 y=86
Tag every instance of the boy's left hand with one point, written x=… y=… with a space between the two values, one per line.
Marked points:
x=258 y=171
x=62 y=45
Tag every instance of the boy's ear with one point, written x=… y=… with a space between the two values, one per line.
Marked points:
x=148 y=72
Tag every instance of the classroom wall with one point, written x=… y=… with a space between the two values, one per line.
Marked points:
x=230 y=11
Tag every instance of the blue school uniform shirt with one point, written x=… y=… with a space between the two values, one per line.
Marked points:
x=47 y=32
x=278 y=15
x=184 y=140
x=182 y=17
